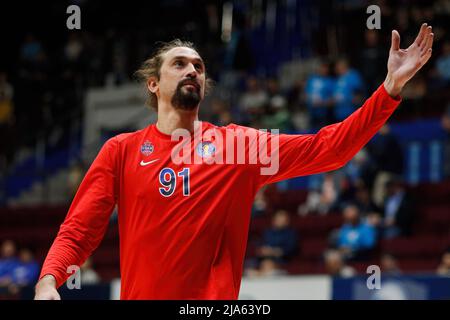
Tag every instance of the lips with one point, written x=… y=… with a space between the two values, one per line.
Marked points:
x=191 y=83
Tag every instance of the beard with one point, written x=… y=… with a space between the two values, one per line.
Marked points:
x=184 y=99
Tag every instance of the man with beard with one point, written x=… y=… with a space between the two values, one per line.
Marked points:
x=184 y=226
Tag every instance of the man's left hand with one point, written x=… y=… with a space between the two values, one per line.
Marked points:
x=403 y=64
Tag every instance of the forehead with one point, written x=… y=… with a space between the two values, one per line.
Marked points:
x=181 y=52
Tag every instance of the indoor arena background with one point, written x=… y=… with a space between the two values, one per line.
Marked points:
x=64 y=92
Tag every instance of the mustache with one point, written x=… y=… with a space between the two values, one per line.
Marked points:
x=189 y=81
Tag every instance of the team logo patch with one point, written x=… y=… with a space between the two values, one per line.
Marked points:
x=206 y=149
x=147 y=148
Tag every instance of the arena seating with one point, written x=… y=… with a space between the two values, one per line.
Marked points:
x=37 y=227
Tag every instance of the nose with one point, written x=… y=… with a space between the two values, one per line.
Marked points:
x=192 y=72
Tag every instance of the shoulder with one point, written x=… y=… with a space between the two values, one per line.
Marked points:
x=238 y=128
x=119 y=142
x=232 y=127
x=125 y=138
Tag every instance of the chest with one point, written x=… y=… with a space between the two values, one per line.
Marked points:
x=162 y=174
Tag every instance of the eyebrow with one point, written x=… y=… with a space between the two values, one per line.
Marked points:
x=185 y=57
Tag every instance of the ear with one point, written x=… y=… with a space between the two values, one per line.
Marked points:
x=153 y=84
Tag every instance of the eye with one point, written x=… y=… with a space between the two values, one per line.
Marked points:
x=198 y=66
x=178 y=63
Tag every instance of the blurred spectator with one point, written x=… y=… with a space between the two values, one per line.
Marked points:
x=220 y=116
x=443 y=65
x=356 y=238
x=398 y=210
x=76 y=174
x=319 y=95
x=444 y=267
x=33 y=84
x=6 y=117
x=375 y=220
x=274 y=93
x=8 y=260
x=387 y=154
x=442 y=7
x=296 y=98
x=363 y=201
x=373 y=60
x=27 y=271
x=280 y=240
x=31 y=49
x=88 y=274
x=335 y=265
x=73 y=48
x=322 y=199
x=6 y=99
x=388 y=265
x=295 y=94
x=276 y=114
x=413 y=96
x=445 y=121
x=238 y=54
x=267 y=268
x=118 y=70
x=254 y=99
x=225 y=118
x=348 y=92
x=361 y=169
x=8 y=263
x=260 y=204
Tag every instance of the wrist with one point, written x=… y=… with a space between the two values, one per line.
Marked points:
x=47 y=280
x=392 y=87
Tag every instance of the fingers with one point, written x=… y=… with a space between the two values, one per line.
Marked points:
x=427 y=43
x=395 y=40
x=421 y=34
x=425 y=38
x=424 y=58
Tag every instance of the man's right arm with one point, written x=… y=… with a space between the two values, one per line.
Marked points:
x=85 y=223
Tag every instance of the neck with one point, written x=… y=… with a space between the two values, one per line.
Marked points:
x=170 y=119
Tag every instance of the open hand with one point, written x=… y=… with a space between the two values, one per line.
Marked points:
x=403 y=64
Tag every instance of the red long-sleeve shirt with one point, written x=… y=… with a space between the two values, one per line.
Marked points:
x=183 y=227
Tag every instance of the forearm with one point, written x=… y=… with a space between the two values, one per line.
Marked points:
x=334 y=145
x=349 y=136
x=79 y=236
x=87 y=219
x=60 y=257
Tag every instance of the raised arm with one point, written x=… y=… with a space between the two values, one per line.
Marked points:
x=333 y=146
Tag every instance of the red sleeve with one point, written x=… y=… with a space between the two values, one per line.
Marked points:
x=88 y=216
x=334 y=145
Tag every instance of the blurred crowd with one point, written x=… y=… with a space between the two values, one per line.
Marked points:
x=331 y=92
x=20 y=269
x=354 y=241
x=46 y=72
x=43 y=87
x=41 y=97
x=336 y=81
